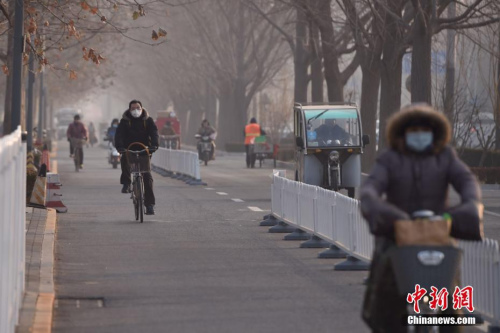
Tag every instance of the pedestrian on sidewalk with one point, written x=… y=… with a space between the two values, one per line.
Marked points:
x=137 y=126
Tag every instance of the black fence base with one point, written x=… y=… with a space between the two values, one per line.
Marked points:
x=493 y=329
x=270 y=221
x=297 y=234
x=195 y=182
x=281 y=228
x=315 y=243
x=352 y=264
x=332 y=253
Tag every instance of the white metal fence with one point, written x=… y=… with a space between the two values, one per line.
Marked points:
x=336 y=218
x=12 y=228
x=181 y=162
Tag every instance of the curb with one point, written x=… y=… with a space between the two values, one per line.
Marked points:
x=45 y=300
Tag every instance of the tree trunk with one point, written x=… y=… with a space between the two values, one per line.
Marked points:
x=390 y=95
x=421 y=80
x=334 y=83
x=391 y=71
x=369 y=100
x=233 y=106
x=449 y=94
x=300 y=59
x=8 y=87
x=316 y=64
x=210 y=105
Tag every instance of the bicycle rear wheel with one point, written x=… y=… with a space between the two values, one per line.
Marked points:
x=76 y=158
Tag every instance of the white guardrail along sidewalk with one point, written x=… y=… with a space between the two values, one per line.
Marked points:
x=180 y=162
x=337 y=219
x=12 y=228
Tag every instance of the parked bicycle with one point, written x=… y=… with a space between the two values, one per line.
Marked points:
x=78 y=152
x=139 y=163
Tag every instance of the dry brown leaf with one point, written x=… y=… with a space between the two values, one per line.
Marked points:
x=46 y=23
x=154 y=35
x=161 y=32
x=94 y=10
x=135 y=15
x=31 y=10
x=103 y=18
x=5 y=69
x=32 y=26
x=72 y=75
x=84 y=5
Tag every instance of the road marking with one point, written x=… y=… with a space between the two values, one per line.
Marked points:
x=209 y=189
x=237 y=200
x=491 y=213
x=255 y=209
x=221 y=193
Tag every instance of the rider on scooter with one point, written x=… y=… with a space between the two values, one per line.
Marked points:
x=207 y=130
x=413 y=174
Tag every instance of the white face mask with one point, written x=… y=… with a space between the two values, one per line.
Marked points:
x=136 y=113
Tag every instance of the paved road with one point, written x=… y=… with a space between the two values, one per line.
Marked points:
x=201 y=264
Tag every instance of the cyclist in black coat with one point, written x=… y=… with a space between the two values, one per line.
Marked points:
x=137 y=126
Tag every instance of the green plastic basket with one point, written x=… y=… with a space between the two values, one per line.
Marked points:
x=260 y=139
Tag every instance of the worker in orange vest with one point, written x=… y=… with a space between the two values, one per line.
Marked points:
x=252 y=131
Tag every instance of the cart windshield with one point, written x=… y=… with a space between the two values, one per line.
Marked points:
x=332 y=128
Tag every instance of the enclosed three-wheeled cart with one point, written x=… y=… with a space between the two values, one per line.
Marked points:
x=329 y=144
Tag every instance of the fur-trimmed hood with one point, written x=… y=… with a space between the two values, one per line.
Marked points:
x=128 y=117
x=423 y=115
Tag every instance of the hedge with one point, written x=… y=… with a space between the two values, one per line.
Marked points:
x=487 y=175
x=471 y=157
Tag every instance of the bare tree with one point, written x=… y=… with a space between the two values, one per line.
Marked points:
x=241 y=53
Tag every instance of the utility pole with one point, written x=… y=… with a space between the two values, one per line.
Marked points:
x=497 y=101
x=17 y=64
x=41 y=97
x=29 y=104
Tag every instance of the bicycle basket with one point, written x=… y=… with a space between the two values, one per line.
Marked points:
x=139 y=163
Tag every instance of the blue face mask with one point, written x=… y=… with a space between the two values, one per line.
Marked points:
x=115 y=126
x=419 y=141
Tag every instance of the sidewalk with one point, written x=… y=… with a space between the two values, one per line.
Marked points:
x=36 y=311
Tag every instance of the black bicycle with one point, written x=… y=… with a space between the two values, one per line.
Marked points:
x=139 y=163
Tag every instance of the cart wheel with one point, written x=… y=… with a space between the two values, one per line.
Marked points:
x=260 y=163
x=296 y=174
x=351 y=192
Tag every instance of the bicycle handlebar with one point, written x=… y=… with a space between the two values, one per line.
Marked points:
x=147 y=149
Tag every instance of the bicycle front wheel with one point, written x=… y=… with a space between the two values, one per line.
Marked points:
x=134 y=199
x=139 y=198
